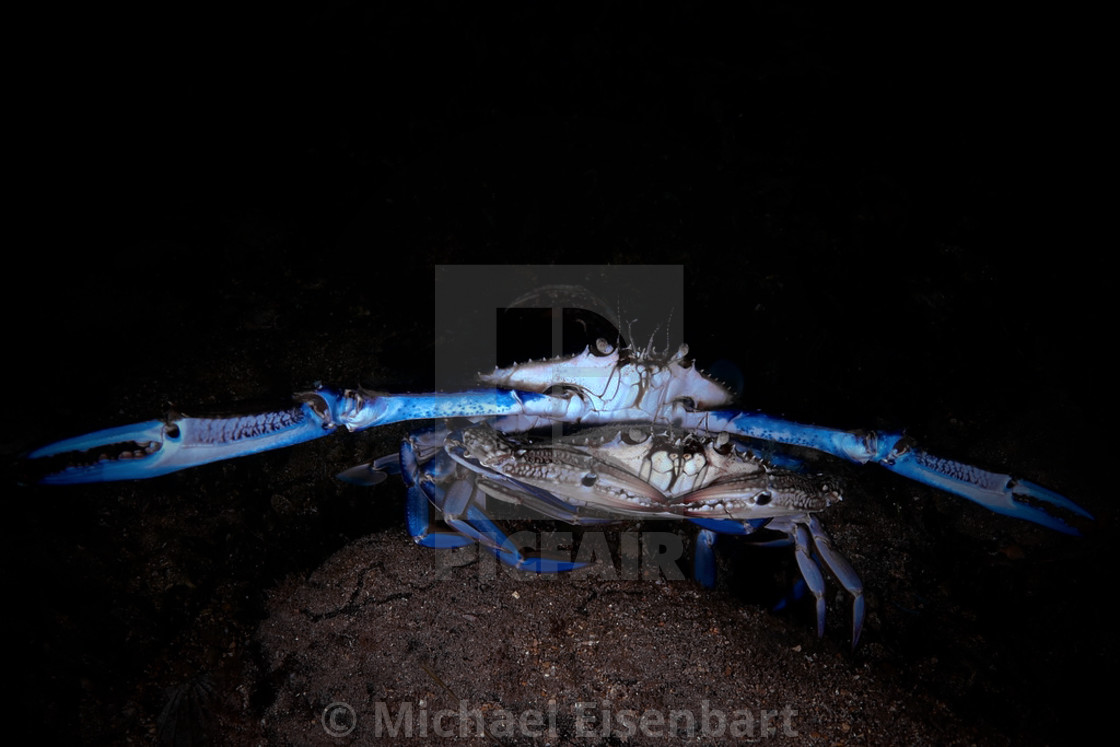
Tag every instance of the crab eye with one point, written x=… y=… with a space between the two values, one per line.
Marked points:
x=687 y=403
x=635 y=436
x=603 y=347
x=762 y=499
x=589 y=479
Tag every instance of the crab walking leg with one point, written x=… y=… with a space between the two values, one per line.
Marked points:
x=997 y=492
x=458 y=511
x=843 y=571
x=810 y=571
x=704 y=560
x=417 y=507
x=814 y=552
x=426 y=473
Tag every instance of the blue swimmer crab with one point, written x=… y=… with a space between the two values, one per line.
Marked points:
x=654 y=440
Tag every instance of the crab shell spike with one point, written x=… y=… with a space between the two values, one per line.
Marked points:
x=690 y=383
x=590 y=370
x=596 y=372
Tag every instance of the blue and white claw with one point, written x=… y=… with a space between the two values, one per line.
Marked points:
x=159 y=447
x=1000 y=493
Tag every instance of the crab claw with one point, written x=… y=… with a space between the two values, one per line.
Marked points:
x=997 y=492
x=157 y=447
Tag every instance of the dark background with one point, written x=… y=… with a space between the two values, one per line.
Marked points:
x=887 y=219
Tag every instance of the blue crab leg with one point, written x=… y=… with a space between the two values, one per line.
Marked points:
x=157 y=447
x=422 y=493
x=843 y=571
x=704 y=558
x=457 y=507
x=739 y=527
x=417 y=517
x=997 y=492
x=417 y=507
x=476 y=526
x=810 y=571
x=495 y=540
x=372 y=473
x=813 y=551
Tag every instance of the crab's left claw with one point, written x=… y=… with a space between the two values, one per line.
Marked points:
x=997 y=492
x=157 y=447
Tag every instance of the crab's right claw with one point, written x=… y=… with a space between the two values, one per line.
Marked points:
x=157 y=447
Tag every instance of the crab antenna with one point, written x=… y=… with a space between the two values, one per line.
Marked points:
x=649 y=345
x=629 y=331
x=668 y=330
x=617 y=327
